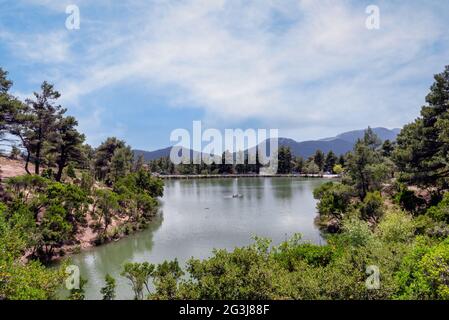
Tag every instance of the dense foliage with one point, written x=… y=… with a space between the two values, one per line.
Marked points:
x=44 y=215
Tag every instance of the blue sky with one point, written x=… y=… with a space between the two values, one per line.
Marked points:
x=140 y=69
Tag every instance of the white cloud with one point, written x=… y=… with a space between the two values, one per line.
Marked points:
x=52 y=47
x=237 y=60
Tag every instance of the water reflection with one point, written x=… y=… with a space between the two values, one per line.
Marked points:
x=200 y=215
x=95 y=263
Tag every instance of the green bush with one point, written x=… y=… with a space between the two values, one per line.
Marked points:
x=74 y=199
x=48 y=174
x=408 y=200
x=396 y=226
x=424 y=273
x=22 y=186
x=87 y=182
x=335 y=199
x=356 y=232
x=141 y=182
x=289 y=253
x=372 y=207
x=337 y=169
x=245 y=273
x=440 y=212
x=425 y=225
x=70 y=171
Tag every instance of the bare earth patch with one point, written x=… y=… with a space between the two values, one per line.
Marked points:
x=12 y=168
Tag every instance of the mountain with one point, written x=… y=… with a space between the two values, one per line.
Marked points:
x=339 y=144
x=163 y=153
x=308 y=148
x=353 y=136
x=152 y=155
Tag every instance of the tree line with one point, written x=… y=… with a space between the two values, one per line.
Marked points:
x=318 y=163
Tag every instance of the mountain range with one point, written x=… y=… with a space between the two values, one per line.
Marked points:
x=339 y=144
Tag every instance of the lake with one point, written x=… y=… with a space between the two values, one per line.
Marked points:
x=199 y=215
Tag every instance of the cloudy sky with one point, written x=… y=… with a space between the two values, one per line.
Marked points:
x=140 y=69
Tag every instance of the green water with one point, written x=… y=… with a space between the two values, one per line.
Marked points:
x=199 y=215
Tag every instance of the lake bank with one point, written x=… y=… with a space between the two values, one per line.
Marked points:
x=227 y=176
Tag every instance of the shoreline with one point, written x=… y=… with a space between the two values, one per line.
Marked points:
x=89 y=244
x=228 y=176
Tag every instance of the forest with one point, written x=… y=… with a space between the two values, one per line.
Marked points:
x=388 y=214
x=319 y=163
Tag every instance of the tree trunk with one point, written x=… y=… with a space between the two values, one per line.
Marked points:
x=61 y=165
x=37 y=161
x=28 y=153
x=27 y=163
x=59 y=173
x=1 y=185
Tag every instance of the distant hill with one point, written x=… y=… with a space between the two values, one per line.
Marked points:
x=353 y=136
x=339 y=144
x=152 y=155
x=307 y=148
x=161 y=153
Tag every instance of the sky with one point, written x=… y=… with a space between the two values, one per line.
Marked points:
x=311 y=68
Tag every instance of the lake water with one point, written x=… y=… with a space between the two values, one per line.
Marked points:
x=199 y=215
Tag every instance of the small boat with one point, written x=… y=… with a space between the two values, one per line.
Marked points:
x=237 y=195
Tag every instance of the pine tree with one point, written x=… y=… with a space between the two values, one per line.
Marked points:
x=422 y=152
x=42 y=122
x=66 y=144
x=331 y=160
x=319 y=159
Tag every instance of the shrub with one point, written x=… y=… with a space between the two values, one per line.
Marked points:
x=289 y=253
x=334 y=199
x=434 y=267
x=372 y=206
x=74 y=200
x=408 y=200
x=87 y=182
x=424 y=273
x=21 y=186
x=396 y=226
x=440 y=212
x=356 y=232
x=71 y=171
x=141 y=182
x=311 y=168
x=425 y=225
x=48 y=174
x=245 y=273
x=338 y=169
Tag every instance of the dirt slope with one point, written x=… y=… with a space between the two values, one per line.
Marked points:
x=11 y=168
